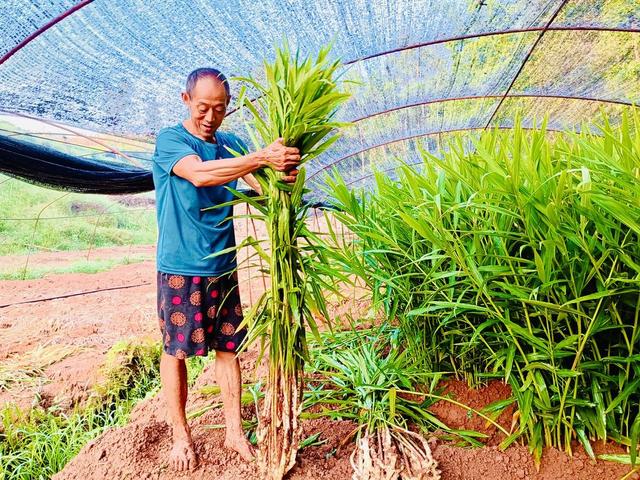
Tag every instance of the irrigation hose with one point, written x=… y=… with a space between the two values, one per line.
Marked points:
x=75 y=294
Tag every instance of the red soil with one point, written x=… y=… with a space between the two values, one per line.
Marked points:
x=94 y=322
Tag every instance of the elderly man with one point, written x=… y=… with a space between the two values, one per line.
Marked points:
x=198 y=302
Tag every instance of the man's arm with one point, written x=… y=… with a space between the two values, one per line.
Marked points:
x=207 y=174
x=253 y=183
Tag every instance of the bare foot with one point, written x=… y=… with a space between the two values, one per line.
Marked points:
x=238 y=443
x=183 y=456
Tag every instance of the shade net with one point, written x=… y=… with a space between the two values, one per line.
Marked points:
x=52 y=168
x=425 y=69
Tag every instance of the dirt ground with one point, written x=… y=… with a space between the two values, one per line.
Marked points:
x=70 y=336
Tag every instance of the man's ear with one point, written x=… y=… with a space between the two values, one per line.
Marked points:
x=185 y=98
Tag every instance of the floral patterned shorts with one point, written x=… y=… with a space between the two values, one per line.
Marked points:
x=198 y=314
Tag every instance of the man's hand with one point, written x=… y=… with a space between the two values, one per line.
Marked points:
x=279 y=157
x=207 y=174
x=290 y=177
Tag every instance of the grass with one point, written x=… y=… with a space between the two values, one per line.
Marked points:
x=39 y=443
x=29 y=367
x=86 y=266
x=131 y=370
x=39 y=219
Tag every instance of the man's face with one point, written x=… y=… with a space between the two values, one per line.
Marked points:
x=207 y=106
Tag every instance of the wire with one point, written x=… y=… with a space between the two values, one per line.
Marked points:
x=526 y=59
x=75 y=294
x=123 y=212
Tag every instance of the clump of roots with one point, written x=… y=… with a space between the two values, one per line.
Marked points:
x=279 y=431
x=390 y=454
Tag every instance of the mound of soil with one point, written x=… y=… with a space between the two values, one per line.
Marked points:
x=140 y=449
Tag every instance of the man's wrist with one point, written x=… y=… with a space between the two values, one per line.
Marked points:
x=257 y=160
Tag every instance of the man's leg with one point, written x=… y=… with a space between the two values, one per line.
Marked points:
x=230 y=382
x=173 y=374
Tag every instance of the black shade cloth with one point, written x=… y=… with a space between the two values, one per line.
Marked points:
x=50 y=168
x=53 y=169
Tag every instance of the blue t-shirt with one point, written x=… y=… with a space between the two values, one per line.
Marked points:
x=186 y=233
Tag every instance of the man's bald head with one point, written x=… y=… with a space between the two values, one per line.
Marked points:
x=200 y=73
